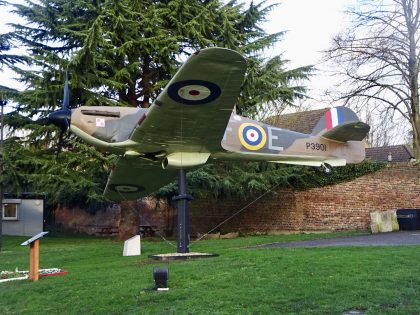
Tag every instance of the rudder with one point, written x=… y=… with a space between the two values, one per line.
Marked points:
x=341 y=124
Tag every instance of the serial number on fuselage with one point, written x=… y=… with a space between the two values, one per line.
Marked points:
x=316 y=146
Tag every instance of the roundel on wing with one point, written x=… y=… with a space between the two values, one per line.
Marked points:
x=194 y=92
x=252 y=136
x=127 y=189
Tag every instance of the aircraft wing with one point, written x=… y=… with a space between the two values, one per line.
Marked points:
x=134 y=178
x=192 y=112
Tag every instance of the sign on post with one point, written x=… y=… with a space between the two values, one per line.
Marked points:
x=33 y=242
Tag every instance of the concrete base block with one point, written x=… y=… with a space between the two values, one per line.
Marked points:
x=182 y=256
x=132 y=246
x=384 y=221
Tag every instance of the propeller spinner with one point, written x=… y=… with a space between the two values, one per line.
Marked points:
x=61 y=118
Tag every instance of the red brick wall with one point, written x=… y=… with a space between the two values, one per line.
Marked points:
x=151 y=212
x=275 y=211
x=344 y=206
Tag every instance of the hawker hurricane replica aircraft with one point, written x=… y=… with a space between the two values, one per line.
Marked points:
x=192 y=122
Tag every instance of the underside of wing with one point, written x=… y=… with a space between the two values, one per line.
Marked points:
x=295 y=159
x=134 y=177
x=192 y=112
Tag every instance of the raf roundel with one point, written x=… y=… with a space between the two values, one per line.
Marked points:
x=127 y=189
x=194 y=92
x=252 y=136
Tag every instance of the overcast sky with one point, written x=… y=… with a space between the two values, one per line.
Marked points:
x=309 y=24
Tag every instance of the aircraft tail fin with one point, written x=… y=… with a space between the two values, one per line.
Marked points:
x=341 y=124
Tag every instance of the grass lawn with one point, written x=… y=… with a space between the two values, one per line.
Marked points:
x=378 y=280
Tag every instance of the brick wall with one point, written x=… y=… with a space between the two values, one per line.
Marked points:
x=151 y=212
x=344 y=206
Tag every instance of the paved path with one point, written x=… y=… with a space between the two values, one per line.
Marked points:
x=382 y=239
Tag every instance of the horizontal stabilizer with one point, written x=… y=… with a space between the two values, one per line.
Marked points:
x=341 y=124
x=350 y=131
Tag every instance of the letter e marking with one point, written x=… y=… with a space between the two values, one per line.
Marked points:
x=272 y=137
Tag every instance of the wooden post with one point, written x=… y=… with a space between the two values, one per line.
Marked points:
x=33 y=243
x=34 y=261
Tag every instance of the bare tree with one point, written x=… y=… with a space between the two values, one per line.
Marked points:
x=378 y=55
x=385 y=129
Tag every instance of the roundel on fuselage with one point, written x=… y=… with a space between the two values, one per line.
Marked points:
x=252 y=136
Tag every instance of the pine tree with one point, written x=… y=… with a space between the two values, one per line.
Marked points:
x=125 y=51
x=121 y=52
x=6 y=59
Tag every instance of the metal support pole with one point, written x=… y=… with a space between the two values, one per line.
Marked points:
x=183 y=224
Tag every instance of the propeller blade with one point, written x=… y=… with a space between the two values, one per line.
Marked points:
x=66 y=99
x=61 y=118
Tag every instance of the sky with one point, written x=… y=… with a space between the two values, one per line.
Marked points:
x=310 y=25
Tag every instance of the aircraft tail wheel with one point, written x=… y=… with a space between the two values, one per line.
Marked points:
x=327 y=169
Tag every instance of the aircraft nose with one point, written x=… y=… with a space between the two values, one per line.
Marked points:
x=61 y=118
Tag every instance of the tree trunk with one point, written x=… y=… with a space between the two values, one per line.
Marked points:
x=131 y=95
x=146 y=82
x=413 y=75
x=416 y=137
x=414 y=90
x=129 y=220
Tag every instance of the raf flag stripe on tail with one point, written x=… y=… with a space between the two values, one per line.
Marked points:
x=333 y=118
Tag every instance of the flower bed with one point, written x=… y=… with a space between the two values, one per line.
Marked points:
x=6 y=276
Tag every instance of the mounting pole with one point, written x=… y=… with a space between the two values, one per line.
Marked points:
x=183 y=224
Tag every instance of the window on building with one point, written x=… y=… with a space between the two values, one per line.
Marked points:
x=10 y=211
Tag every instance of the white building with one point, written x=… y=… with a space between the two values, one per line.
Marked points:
x=22 y=215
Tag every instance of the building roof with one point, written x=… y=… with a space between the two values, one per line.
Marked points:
x=399 y=153
x=303 y=122
x=24 y=195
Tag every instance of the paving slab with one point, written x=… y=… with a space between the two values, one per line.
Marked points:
x=381 y=239
x=182 y=256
